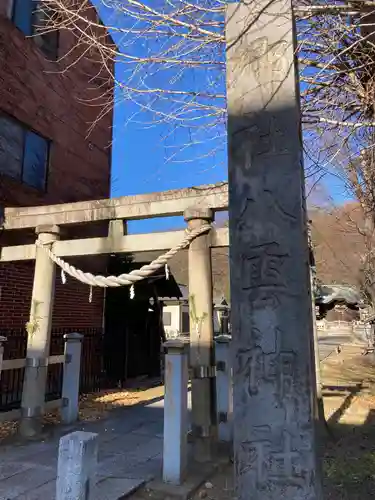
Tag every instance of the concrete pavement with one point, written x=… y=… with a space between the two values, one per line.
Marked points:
x=130 y=453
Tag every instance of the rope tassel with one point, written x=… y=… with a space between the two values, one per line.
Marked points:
x=132 y=292
x=63 y=277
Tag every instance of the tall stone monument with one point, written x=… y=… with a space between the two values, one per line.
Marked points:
x=274 y=390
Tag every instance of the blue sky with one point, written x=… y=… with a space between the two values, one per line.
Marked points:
x=140 y=164
x=142 y=160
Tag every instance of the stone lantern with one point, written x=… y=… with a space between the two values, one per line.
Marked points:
x=223 y=312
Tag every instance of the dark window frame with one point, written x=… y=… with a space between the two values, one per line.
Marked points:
x=25 y=129
x=45 y=48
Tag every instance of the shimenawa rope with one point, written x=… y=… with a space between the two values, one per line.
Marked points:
x=126 y=278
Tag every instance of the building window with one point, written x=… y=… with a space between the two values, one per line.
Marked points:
x=167 y=318
x=32 y=17
x=23 y=153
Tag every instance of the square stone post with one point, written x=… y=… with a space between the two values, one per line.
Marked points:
x=2 y=340
x=201 y=336
x=38 y=336
x=275 y=445
x=224 y=388
x=70 y=388
x=76 y=468
x=175 y=413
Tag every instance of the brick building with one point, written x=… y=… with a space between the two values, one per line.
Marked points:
x=46 y=154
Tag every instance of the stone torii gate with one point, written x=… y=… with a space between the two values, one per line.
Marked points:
x=196 y=204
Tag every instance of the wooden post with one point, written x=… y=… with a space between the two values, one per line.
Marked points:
x=201 y=336
x=39 y=334
x=275 y=445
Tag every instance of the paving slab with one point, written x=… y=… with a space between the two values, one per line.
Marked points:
x=150 y=469
x=106 y=489
x=121 y=466
x=22 y=451
x=122 y=445
x=153 y=429
x=148 y=450
x=113 y=487
x=9 y=469
x=47 y=491
x=25 y=481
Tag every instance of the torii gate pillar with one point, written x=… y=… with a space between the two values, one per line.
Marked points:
x=38 y=336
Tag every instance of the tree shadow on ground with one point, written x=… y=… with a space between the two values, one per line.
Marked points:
x=349 y=461
x=348 y=392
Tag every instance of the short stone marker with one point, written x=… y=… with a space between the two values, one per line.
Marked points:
x=77 y=463
x=70 y=388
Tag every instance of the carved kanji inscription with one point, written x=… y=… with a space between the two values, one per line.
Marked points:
x=287 y=373
x=257 y=463
x=267 y=463
x=262 y=267
x=282 y=464
x=266 y=60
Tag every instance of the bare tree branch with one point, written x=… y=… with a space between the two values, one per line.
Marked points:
x=170 y=57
